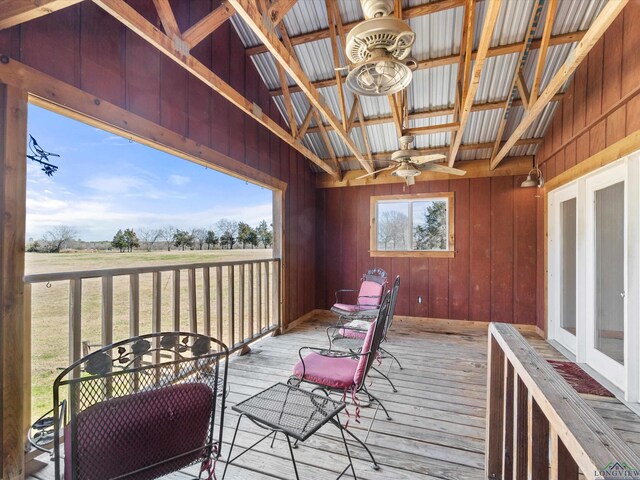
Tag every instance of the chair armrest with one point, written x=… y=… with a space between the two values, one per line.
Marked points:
x=321 y=351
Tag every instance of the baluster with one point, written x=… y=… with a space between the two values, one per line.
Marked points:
x=75 y=323
x=275 y=300
x=206 y=300
x=267 y=297
x=538 y=442
x=176 y=300
x=507 y=440
x=156 y=316
x=107 y=321
x=241 y=303
x=563 y=466
x=495 y=386
x=252 y=327
x=193 y=313
x=219 y=331
x=520 y=434
x=230 y=299
x=259 y=299
x=134 y=305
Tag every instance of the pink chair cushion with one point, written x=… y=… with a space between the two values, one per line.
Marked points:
x=370 y=295
x=362 y=364
x=345 y=307
x=334 y=372
x=125 y=434
x=355 y=329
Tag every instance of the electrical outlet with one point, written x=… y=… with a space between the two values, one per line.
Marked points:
x=419 y=298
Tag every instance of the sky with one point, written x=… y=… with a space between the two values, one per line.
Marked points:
x=105 y=182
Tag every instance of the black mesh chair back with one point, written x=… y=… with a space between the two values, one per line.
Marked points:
x=392 y=306
x=142 y=408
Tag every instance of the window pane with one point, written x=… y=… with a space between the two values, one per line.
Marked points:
x=430 y=225
x=609 y=281
x=568 y=261
x=393 y=226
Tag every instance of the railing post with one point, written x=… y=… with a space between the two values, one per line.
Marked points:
x=275 y=300
x=107 y=310
x=134 y=305
x=241 y=335
x=176 y=300
x=156 y=303
x=27 y=357
x=267 y=298
x=495 y=406
x=259 y=299
x=75 y=323
x=230 y=299
x=206 y=300
x=252 y=327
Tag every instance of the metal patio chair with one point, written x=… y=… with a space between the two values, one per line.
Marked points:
x=350 y=337
x=368 y=297
x=142 y=408
x=333 y=371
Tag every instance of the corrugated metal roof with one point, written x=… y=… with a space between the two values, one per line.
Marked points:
x=437 y=35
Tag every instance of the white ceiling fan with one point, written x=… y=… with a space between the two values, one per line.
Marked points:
x=409 y=163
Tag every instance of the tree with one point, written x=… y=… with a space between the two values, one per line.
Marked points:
x=211 y=240
x=166 y=234
x=119 y=241
x=431 y=234
x=58 y=237
x=247 y=235
x=148 y=237
x=264 y=234
x=392 y=230
x=131 y=239
x=182 y=238
x=227 y=231
x=199 y=236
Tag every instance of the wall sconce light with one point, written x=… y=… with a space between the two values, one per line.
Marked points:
x=534 y=178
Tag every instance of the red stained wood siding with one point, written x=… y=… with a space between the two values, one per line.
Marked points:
x=492 y=277
x=602 y=106
x=88 y=49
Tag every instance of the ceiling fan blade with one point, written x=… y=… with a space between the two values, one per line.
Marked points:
x=442 y=169
x=377 y=171
x=410 y=181
x=419 y=160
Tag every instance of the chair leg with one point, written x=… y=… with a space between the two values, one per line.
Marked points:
x=386 y=378
x=375 y=399
x=346 y=447
x=387 y=352
x=373 y=460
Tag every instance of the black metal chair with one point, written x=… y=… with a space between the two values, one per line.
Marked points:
x=344 y=372
x=350 y=337
x=142 y=408
x=368 y=297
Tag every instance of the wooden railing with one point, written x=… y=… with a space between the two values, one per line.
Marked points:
x=538 y=427
x=236 y=302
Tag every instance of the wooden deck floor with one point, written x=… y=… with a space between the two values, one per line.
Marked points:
x=437 y=427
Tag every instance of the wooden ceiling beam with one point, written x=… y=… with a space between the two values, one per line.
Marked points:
x=332 y=13
x=15 y=12
x=352 y=113
x=606 y=16
x=477 y=107
x=167 y=18
x=474 y=168
x=518 y=83
x=471 y=85
x=431 y=129
x=142 y=27
x=207 y=25
x=327 y=143
x=451 y=59
x=288 y=106
x=544 y=46
x=278 y=9
x=411 y=12
x=443 y=149
x=305 y=124
x=365 y=135
x=249 y=13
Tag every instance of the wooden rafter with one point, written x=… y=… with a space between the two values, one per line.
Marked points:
x=437 y=112
x=365 y=134
x=205 y=27
x=305 y=124
x=288 y=105
x=249 y=13
x=352 y=113
x=327 y=142
x=445 y=149
x=431 y=129
x=544 y=46
x=396 y=100
x=518 y=82
x=597 y=29
x=491 y=16
x=141 y=26
x=332 y=14
x=412 y=12
x=278 y=9
x=167 y=18
x=434 y=62
x=15 y=12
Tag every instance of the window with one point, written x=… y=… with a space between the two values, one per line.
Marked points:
x=412 y=225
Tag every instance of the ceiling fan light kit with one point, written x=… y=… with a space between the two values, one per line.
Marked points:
x=380 y=49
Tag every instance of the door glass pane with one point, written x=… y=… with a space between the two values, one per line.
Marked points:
x=568 y=271
x=609 y=280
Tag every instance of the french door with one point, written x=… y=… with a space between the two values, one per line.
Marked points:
x=594 y=271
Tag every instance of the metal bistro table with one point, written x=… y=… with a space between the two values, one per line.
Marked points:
x=294 y=412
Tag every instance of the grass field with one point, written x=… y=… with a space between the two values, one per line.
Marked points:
x=50 y=304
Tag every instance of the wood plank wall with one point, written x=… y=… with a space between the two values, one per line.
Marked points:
x=601 y=106
x=491 y=278
x=84 y=46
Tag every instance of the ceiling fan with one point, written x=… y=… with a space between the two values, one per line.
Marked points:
x=409 y=163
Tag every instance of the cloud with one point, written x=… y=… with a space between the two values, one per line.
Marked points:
x=178 y=180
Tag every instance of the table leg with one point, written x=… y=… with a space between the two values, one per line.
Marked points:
x=233 y=442
x=339 y=425
x=293 y=460
x=346 y=447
